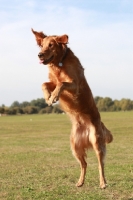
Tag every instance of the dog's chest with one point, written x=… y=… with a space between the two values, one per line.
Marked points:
x=57 y=75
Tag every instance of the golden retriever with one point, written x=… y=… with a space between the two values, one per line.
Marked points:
x=68 y=85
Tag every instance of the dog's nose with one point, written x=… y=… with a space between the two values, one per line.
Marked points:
x=40 y=55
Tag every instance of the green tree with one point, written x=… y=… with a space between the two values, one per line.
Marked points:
x=2 y=110
x=57 y=109
x=10 y=111
x=30 y=110
x=40 y=103
x=117 y=106
x=15 y=104
x=24 y=104
x=126 y=104
x=105 y=104
x=46 y=110
x=18 y=110
x=97 y=98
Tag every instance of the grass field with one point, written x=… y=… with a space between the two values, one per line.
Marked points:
x=36 y=162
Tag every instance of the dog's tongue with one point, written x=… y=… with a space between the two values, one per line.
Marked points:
x=41 y=61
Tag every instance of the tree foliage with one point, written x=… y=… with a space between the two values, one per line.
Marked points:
x=15 y=104
x=107 y=104
x=40 y=106
x=33 y=107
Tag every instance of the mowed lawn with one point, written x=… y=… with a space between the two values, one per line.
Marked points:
x=36 y=162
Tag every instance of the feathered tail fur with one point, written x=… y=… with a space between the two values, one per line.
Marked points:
x=107 y=134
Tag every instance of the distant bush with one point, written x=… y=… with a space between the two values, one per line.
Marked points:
x=50 y=109
x=46 y=110
x=2 y=110
x=30 y=110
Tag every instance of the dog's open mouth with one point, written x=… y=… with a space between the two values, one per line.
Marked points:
x=46 y=61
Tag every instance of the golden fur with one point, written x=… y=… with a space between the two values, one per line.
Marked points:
x=68 y=85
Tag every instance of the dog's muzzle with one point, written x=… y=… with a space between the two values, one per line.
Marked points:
x=40 y=55
x=43 y=60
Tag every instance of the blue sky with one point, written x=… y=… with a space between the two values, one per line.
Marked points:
x=100 y=34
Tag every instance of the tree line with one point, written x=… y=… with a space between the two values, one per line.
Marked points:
x=40 y=106
x=33 y=107
x=107 y=104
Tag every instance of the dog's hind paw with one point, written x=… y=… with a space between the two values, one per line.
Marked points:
x=103 y=186
x=79 y=184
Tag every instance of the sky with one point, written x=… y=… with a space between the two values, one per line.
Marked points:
x=100 y=34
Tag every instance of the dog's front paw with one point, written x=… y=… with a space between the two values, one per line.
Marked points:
x=48 y=102
x=53 y=99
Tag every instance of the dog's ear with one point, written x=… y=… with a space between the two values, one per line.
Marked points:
x=39 y=36
x=62 y=39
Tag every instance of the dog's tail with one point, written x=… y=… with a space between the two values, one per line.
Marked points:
x=107 y=134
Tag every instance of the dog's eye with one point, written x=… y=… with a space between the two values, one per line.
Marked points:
x=50 y=44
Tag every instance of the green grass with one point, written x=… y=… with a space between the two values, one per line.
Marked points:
x=36 y=162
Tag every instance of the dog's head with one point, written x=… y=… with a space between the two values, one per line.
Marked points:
x=51 y=46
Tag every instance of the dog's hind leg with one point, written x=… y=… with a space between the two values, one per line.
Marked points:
x=83 y=166
x=100 y=150
x=78 y=150
x=80 y=156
